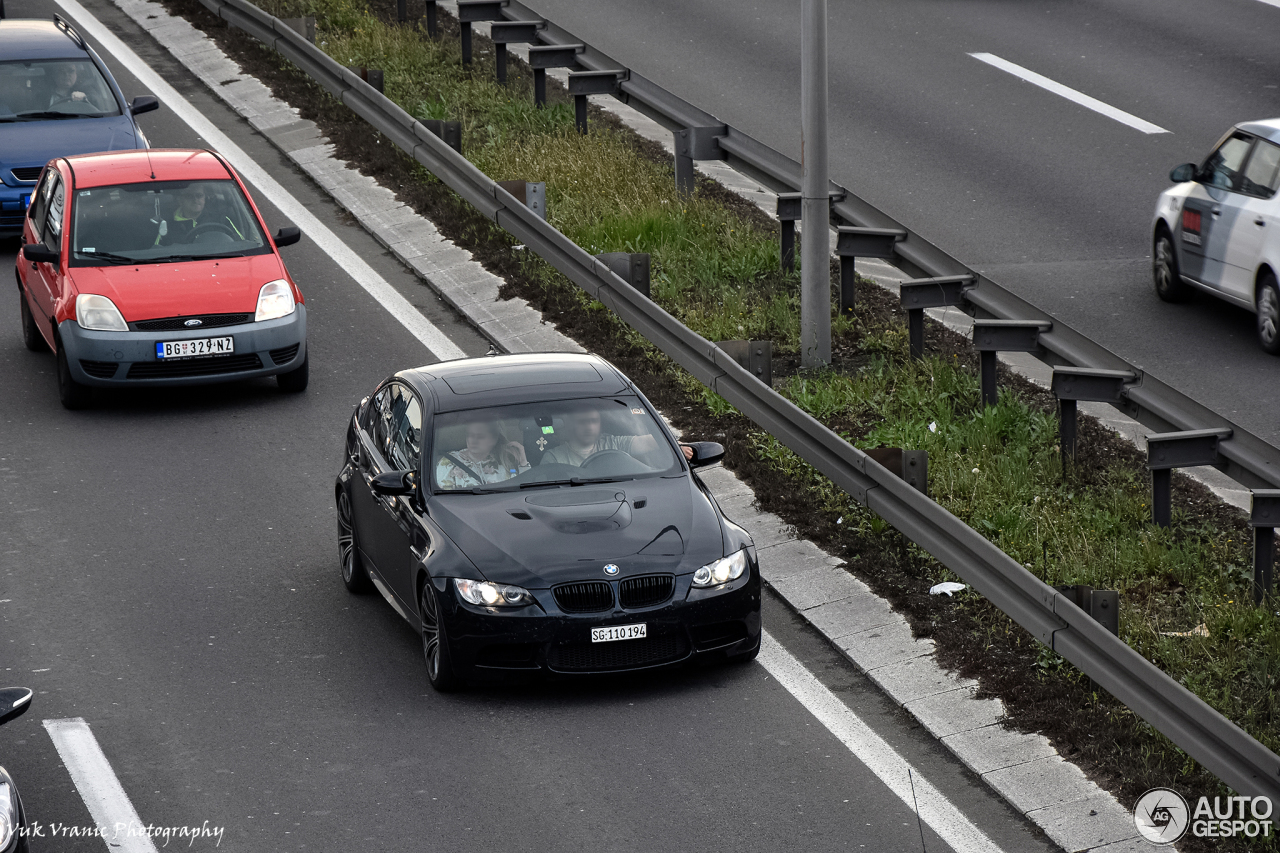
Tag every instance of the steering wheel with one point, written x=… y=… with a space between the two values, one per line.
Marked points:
x=606 y=455
x=71 y=99
x=208 y=230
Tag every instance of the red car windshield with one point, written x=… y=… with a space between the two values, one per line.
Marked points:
x=163 y=221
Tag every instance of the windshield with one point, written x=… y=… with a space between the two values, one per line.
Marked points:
x=565 y=441
x=54 y=89
x=161 y=221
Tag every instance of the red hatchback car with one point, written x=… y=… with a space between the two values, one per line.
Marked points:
x=155 y=268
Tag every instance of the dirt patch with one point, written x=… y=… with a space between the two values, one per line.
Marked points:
x=975 y=639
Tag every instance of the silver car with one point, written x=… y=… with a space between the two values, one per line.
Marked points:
x=1218 y=228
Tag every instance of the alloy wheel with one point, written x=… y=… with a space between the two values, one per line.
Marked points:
x=430 y=609
x=1269 y=317
x=346 y=540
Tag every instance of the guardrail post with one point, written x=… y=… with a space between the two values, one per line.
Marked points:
x=504 y=33
x=402 y=10
x=1169 y=450
x=753 y=356
x=449 y=131
x=532 y=195
x=475 y=11
x=544 y=56
x=431 y=18
x=918 y=294
x=304 y=26
x=372 y=76
x=852 y=243
x=1072 y=384
x=910 y=465
x=1264 y=518
x=633 y=268
x=991 y=337
x=788 y=216
x=583 y=83
x=695 y=143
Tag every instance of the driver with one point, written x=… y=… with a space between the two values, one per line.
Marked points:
x=585 y=439
x=189 y=216
x=64 y=78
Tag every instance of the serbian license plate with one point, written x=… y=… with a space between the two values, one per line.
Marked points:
x=195 y=348
x=618 y=632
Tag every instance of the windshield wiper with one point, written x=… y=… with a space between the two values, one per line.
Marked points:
x=39 y=114
x=108 y=256
x=167 y=258
x=575 y=481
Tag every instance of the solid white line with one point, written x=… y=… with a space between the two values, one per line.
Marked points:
x=880 y=758
x=108 y=804
x=1070 y=94
x=342 y=254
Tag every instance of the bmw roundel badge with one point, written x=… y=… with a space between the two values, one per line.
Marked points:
x=611 y=569
x=194 y=321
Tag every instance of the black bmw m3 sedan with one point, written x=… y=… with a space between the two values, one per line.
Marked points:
x=532 y=514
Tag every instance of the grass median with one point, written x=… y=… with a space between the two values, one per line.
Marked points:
x=1185 y=591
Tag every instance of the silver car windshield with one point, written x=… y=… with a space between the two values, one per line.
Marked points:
x=603 y=439
x=162 y=221
x=40 y=90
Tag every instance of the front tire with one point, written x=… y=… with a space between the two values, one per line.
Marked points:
x=435 y=646
x=73 y=394
x=295 y=381
x=354 y=574
x=1168 y=278
x=1269 y=314
x=30 y=331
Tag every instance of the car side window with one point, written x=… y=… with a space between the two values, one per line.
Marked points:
x=397 y=427
x=1262 y=175
x=1223 y=166
x=51 y=231
x=40 y=201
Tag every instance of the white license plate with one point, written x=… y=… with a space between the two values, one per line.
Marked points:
x=618 y=632
x=197 y=347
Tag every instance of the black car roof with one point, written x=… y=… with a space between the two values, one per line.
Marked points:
x=33 y=39
x=472 y=383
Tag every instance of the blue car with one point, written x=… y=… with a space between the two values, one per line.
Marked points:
x=57 y=98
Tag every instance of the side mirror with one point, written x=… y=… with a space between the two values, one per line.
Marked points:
x=705 y=453
x=14 y=702
x=394 y=483
x=143 y=104
x=1182 y=174
x=38 y=253
x=287 y=236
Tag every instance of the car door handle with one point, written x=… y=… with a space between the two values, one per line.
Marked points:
x=1260 y=222
x=1215 y=211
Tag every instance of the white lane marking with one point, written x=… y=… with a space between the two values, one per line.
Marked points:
x=1070 y=94
x=880 y=758
x=342 y=254
x=108 y=804
x=1271 y=2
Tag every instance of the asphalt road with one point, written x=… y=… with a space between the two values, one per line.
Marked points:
x=168 y=573
x=1049 y=199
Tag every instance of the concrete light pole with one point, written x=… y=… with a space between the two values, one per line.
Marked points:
x=815 y=218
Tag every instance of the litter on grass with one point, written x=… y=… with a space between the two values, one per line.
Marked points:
x=946 y=586
x=1198 y=631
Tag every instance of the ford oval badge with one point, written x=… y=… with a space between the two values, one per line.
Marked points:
x=194 y=321
x=611 y=569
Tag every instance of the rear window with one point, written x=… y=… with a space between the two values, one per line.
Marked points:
x=163 y=221
x=54 y=89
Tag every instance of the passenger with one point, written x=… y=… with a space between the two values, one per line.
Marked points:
x=190 y=215
x=489 y=457
x=64 y=81
x=585 y=440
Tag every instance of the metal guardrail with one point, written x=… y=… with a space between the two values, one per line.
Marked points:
x=1218 y=744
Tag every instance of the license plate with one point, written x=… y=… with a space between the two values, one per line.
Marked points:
x=26 y=200
x=618 y=632
x=194 y=348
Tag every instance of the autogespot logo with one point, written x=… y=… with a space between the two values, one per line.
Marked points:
x=1162 y=816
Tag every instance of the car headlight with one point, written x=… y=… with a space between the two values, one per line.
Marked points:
x=488 y=594
x=721 y=571
x=99 y=314
x=8 y=814
x=275 y=300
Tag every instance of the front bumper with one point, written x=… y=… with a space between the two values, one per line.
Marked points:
x=496 y=644
x=128 y=359
x=13 y=208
